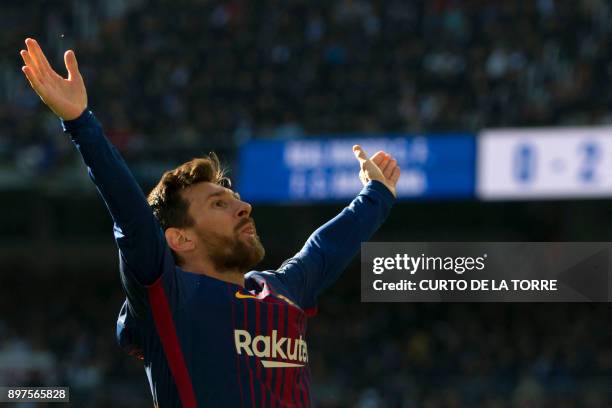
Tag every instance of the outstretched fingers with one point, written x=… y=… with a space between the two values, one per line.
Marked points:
x=38 y=57
x=34 y=80
x=31 y=72
x=30 y=55
x=27 y=60
x=25 y=56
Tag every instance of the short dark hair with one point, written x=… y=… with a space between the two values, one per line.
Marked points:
x=169 y=207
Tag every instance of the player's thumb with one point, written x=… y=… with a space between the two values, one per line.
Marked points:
x=360 y=154
x=71 y=64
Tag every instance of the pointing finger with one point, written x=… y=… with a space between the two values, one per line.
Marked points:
x=360 y=154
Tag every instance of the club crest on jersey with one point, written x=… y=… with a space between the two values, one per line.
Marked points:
x=273 y=351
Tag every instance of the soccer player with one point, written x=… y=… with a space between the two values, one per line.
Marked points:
x=210 y=331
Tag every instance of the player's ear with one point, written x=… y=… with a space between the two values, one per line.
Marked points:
x=179 y=240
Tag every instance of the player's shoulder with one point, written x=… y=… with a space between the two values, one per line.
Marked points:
x=260 y=275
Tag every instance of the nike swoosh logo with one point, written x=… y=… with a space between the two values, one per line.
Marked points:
x=243 y=296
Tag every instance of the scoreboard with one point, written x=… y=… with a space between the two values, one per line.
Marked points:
x=544 y=163
x=496 y=164
x=325 y=169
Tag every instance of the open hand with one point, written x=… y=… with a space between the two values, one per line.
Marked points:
x=67 y=98
x=381 y=167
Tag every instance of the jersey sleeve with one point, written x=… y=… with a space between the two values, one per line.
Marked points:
x=143 y=252
x=330 y=248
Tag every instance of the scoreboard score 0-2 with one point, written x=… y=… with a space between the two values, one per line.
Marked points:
x=547 y=163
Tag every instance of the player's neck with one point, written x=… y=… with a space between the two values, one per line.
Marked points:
x=235 y=277
x=205 y=267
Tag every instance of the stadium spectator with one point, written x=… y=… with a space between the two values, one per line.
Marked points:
x=232 y=70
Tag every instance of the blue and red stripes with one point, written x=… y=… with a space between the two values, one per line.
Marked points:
x=164 y=323
x=234 y=324
x=251 y=384
x=274 y=387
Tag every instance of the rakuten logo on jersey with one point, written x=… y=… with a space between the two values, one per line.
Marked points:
x=294 y=351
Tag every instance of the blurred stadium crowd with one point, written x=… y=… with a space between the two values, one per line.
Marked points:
x=168 y=77
x=163 y=75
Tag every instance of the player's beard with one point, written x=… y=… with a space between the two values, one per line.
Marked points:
x=235 y=252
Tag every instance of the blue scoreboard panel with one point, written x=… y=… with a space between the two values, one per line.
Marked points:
x=325 y=169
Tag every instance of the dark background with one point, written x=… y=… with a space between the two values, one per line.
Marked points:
x=173 y=79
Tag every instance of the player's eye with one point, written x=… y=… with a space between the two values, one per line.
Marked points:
x=220 y=204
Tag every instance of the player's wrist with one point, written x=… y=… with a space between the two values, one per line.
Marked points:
x=73 y=114
x=382 y=188
x=72 y=124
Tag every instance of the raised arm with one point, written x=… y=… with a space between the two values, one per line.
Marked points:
x=331 y=247
x=138 y=235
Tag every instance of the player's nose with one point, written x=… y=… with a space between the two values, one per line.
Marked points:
x=244 y=209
